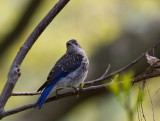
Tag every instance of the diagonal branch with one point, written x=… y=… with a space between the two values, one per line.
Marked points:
x=106 y=72
x=14 y=71
x=123 y=68
x=146 y=76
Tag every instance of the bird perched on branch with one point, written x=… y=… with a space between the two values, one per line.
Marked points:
x=69 y=71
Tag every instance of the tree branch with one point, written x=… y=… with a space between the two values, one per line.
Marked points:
x=123 y=68
x=146 y=76
x=106 y=72
x=14 y=71
x=25 y=93
x=78 y=92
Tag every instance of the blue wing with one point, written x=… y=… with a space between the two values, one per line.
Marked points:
x=55 y=75
x=48 y=89
x=68 y=63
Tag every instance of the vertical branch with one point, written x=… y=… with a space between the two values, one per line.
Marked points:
x=14 y=72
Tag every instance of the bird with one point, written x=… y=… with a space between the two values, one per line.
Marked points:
x=69 y=71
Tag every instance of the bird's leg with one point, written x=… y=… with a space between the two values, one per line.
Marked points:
x=74 y=88
x=57 y=91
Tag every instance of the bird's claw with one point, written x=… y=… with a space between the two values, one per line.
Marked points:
x=76 y=89
x=57 y=92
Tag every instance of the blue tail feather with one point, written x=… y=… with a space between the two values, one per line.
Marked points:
x=43 y=96
x=48 y=89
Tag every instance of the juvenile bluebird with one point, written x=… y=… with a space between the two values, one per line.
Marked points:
x=69 y=71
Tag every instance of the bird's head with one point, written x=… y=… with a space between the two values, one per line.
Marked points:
x=73 y=46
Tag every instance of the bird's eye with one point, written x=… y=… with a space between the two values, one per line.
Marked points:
x=75 y=43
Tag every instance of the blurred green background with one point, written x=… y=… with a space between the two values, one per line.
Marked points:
x=110 y=31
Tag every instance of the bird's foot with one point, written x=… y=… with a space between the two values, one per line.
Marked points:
x=75 y=89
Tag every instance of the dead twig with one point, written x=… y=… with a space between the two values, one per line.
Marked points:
x=105 y=73
x=150 y=101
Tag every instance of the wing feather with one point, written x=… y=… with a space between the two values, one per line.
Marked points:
x=66 y=64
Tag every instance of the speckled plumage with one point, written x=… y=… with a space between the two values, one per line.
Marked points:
x=69 y=71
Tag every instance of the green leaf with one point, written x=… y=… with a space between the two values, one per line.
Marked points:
x=127 y=80
x=115 y=87
x=82 y=85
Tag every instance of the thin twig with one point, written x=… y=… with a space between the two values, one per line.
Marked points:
x=157 y=90
x=139 y=115
x=123 y=68
x=105 y=73
x=153 y=51
x=142 y=87
x=142 y=111
x=150 y=101
x=138 y=103
x=115 y=72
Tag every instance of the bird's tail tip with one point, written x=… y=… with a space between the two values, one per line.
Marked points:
x=43 y=96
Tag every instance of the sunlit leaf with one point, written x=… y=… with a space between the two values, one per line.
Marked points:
x=115 y=87
x=127 y=80
x=82 y=85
